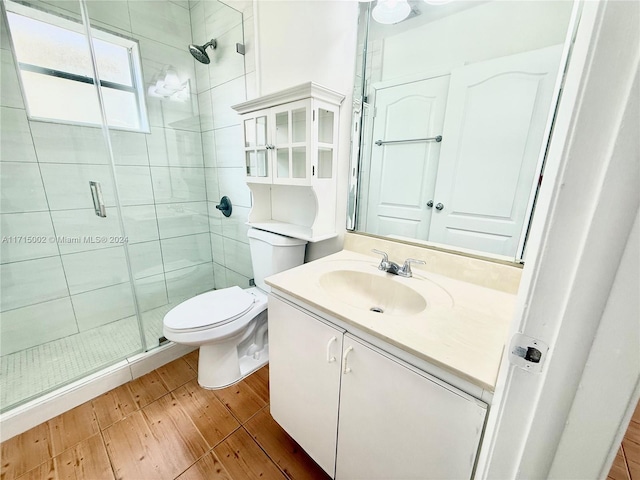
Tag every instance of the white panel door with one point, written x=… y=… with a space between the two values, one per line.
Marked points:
x=304 y=379
x=403 y=175
x=429 y=431
x=494 y=132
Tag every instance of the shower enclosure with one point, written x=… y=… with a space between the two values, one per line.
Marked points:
x=115 y=149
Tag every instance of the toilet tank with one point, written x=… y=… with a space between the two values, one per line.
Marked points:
x=272 y=253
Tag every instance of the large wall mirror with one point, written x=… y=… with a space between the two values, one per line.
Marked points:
x=457 y=106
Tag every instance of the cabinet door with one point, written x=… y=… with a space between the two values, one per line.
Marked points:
x=291 y=140
x=304 y=379
x=396 y=423
x=256 y=127
x=325 y=130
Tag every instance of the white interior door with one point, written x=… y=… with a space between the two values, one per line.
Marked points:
x=497 y=112
x=397 y=423
x=403 y=175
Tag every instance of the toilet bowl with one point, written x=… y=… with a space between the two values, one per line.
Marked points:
x=230 y=325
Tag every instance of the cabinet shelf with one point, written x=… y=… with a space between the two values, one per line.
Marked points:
x=290 y=145
x=291 y=230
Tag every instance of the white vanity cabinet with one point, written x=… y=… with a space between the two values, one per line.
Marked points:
x=304 y=379
x=391 y=420
x=290 y=146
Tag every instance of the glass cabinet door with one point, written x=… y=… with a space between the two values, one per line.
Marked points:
x=291 y=138
x=326 y=146
x=256 y=148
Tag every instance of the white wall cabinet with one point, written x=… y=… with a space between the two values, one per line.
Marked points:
x=390 y=420
x=290 y=143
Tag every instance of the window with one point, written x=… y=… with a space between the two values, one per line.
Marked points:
x=57 y=77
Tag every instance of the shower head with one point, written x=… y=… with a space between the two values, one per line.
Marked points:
x=199 y=53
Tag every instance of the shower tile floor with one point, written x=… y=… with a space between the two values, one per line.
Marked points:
x=35 y=371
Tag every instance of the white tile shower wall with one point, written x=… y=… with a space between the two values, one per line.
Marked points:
x=164 y=22
x=211 y=178
x=236 y=227
x=67 y=185
x=181 y=284
x=17 y=145
x=237 y=254
x=152 y=293
x=140 y=223
x=56 y=143
x=32 y=281
x=173 y=184
x=231 y=181
x=220 y=85
x=11 y=96
x=177 y=219
x=187 y=251
x=146 y=259
x=44 y=176
x=107 y=267
x=22 y=189
x=37 y=225
x=69 y=156
x=228 y=147
x=49 y=321
x=102 y=306
x=174 y=148
x=72 y=225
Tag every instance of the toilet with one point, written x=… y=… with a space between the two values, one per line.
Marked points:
x=230 y=325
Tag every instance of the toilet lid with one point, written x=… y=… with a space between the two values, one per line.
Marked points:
x=211 y=308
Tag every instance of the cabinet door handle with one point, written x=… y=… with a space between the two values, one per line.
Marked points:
x=331 y=358
x=346 y=369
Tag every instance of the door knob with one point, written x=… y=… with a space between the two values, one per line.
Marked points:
x=439 y=206
x=430 y=203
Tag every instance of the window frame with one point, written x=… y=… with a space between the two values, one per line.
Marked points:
x=64 y=21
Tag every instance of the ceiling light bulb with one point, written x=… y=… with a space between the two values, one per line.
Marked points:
x=391 y=11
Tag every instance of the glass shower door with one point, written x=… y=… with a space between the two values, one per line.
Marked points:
x=67 y=303
x=166 y=190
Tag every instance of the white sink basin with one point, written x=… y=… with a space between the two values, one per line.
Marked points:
x=375 y=292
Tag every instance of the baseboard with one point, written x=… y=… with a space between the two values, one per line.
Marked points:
x=146 y=362
x=39 y=410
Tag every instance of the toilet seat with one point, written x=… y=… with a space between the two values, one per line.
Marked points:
x=211 y=309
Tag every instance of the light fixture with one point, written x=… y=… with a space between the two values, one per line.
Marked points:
x=389 y=12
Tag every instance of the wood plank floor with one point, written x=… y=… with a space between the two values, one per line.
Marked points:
x=163 y=426
x=626 y=466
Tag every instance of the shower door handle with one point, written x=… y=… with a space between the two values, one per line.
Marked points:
x=98 y=202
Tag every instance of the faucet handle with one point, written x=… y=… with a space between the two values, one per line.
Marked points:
x=405 y=271
x=384 y=263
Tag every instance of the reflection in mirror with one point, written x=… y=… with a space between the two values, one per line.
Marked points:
x=457 y=105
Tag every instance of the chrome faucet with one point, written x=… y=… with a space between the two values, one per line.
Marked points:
x=394 y=268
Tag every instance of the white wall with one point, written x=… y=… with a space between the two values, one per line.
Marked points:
x=490 y=30
x=301 y=41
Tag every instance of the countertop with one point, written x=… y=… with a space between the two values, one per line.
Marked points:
x=463 y=328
